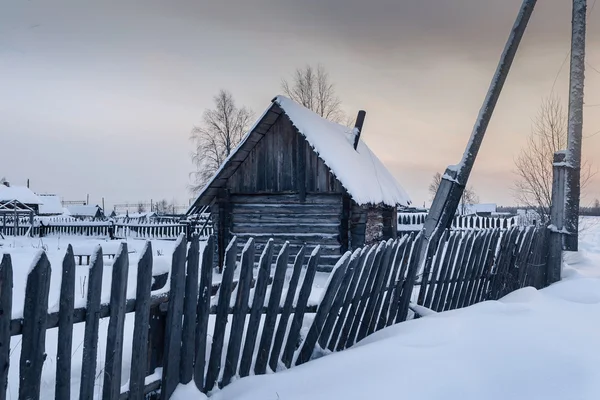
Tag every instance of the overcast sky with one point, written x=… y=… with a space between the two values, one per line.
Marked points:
x=99 y=97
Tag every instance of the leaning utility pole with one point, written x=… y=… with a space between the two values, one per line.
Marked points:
x=573 y=156
x=450 y=190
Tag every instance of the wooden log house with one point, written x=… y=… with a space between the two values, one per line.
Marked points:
x=300 y=178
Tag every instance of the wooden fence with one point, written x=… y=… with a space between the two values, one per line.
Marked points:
x=413 y=222
x=107 y=229
x=258 y=312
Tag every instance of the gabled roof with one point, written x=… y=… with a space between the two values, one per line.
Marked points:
x=359 y=171
x=19 y=193
x=83 y=211
x=51 y=204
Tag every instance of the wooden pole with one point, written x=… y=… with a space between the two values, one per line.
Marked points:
x=455 y=179
x=573 y=186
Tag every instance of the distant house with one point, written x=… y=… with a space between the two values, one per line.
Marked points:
x=88 y=212
x=297 y=177
x=18 y=197
x=482 y=210
x=51 y=205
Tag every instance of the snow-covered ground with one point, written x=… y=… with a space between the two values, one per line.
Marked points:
x=529 y=345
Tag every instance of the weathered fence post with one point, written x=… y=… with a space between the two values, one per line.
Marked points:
x=6 y=288
x=189 y=312
x=35 y=312
x=557 y=218
x=203 y=309
x=65 y=327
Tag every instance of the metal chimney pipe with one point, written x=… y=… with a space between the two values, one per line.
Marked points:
x=360 y=120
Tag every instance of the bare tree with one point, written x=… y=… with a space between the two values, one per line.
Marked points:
x=311 y=87
x=468 y=197
x=221 y=131
x=533 y=166
x=141 y=207
x=162 y=206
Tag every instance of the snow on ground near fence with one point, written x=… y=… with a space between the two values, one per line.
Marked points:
x=529 y=345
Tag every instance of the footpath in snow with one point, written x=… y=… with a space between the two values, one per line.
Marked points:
x=529 y=345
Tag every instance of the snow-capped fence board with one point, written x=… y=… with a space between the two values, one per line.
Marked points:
x=224 y=296
x=272 y=310
x=92 y=321
x=303 y=296
x=139 y=353
x=172 y=353
x=190 y=312
x=239 y=313
x=65 y=326
x=286 y=311
x=33 y=340
x=260 y=289
x=6 y=291
x=203 y=306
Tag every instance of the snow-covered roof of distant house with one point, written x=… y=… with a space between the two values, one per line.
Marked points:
x=479 y=208
x=359 y=171
x=51 y=204
x=83 y=211
x=20 y=193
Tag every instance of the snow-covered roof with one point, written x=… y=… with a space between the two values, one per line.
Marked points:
x=51 y=204
x=20 y=193
x=359 y=171
x=83 y=211
x=479 y=208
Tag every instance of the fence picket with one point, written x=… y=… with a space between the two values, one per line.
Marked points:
x=411 y=276
x=462 y=253
x=303 y=296
x=139 y=350
x=286 y=311
x=467 y=271
x=260 y=289
x=399 y=284
x=186 y=369
x=484 y=279
x=6 y=289
x=478 y=267
x=224 y=295
x=446 y=271
x=33 y=339
x=391 y=285
x=239 y=314
x=172 y=352
x=430 y=277
x=316 y=328
x=203 y=308
x=341 y=294
x=344 y=340
x=370 y=316
x=65 y=327
x=272 y=309
x=92 y=321
x=465 y=262
x=116 y=324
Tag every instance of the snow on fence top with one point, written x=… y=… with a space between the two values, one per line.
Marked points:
x=359 y=171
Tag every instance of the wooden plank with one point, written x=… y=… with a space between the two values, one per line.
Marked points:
x=501 y=270
x=411 y=276
x=354 y=303
x=273 y=307
x=316 y=328
x=524 y=253
x=139 y=348
x=435 y=272
x=186 y=369
x=432 y=249
x=484 y=280
x=92 y=321
x=376 y=295
x=400 y=278
x=469 y=271
x=391 y=283
x=358 y=330
x=443 y=285
x=203 y=308
x=260 y=289
x=224 y=295
x=303 y=296
x=338 y=302
x=6 y=289
x=65 y=327
x=454 y=269
x=461 y=269
x=113 y=361
x=172 y=352
x=33 y=341
x=239 y=314
x=478 y=268
x=286 y=311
